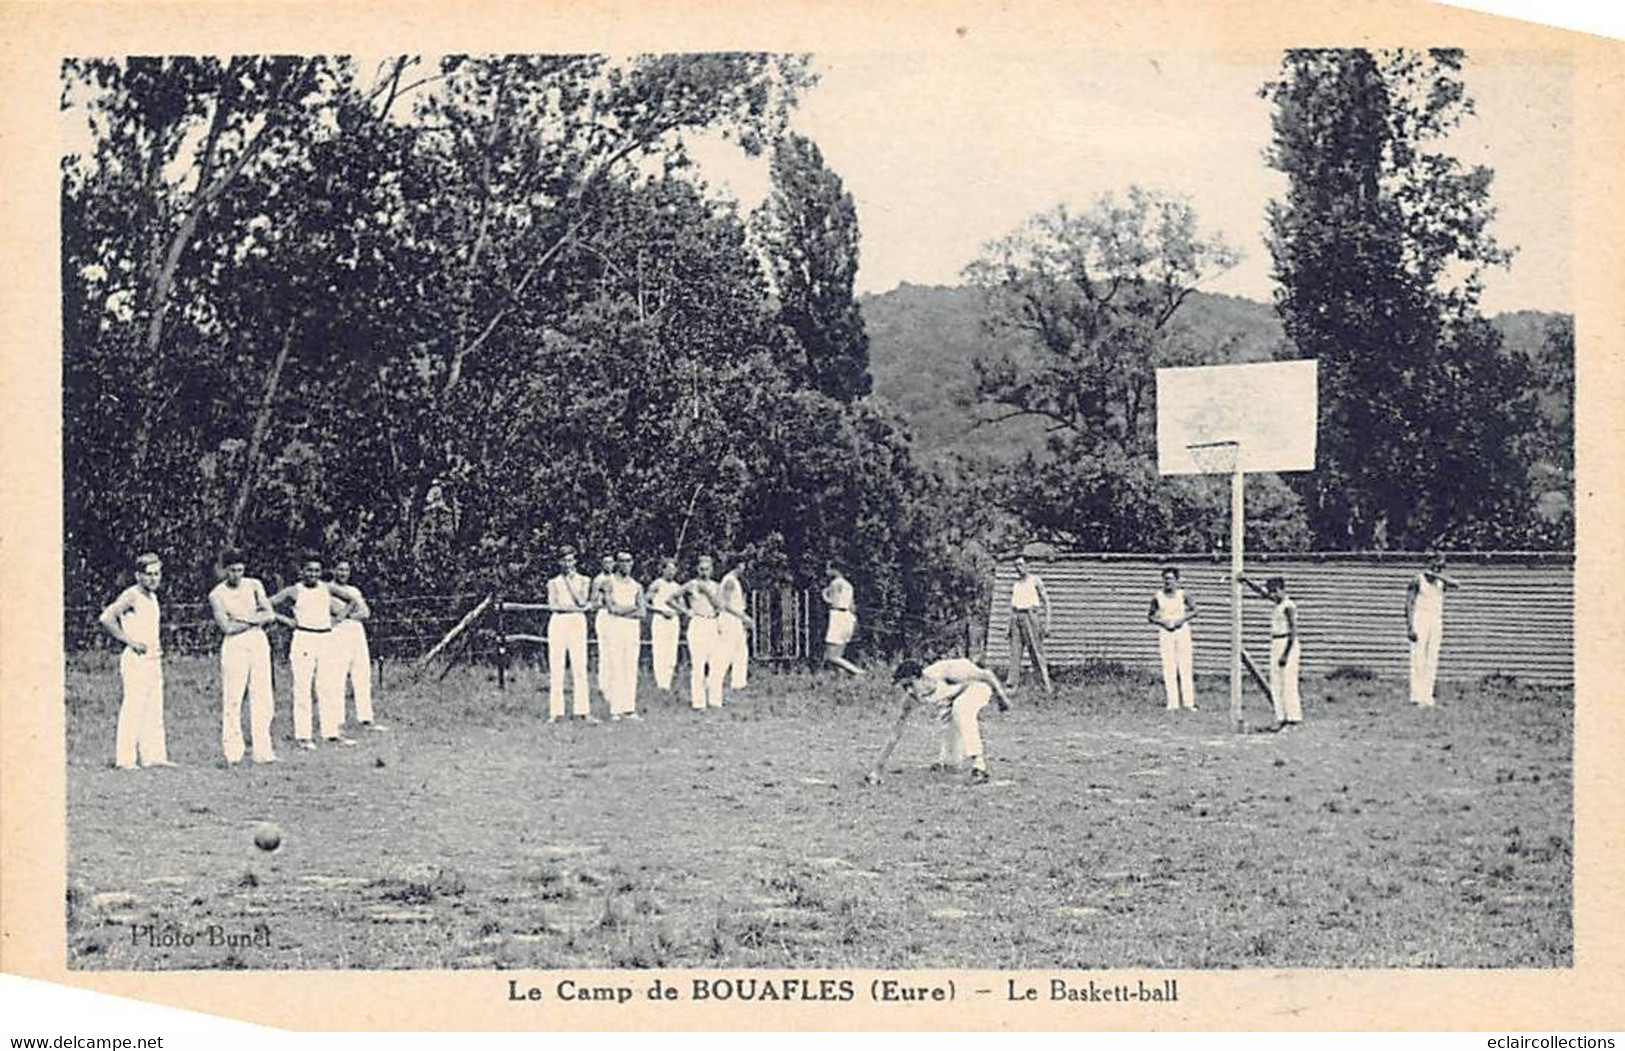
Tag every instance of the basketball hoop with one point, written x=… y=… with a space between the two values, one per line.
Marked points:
x=1215 y=457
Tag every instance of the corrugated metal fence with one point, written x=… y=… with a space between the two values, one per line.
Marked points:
x=1513 y=615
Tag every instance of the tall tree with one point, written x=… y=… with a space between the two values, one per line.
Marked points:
x=1093 y=298
x=809 y=230
x=1379 y=248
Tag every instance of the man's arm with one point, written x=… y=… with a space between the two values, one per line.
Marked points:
x=229 y=625
x=1151 y=616
x=1449 y=582
x=1190 y=611
x=873 y=776
x=1411 y=591
x=983 y=675
x=1260 y=592
x=1043 y=600
x=110 y=622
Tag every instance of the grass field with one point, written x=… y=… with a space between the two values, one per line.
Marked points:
x=1115 y=834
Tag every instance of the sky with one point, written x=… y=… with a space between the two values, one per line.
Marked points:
x=943 y=154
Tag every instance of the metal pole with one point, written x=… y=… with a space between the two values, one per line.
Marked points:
x=1237 y=533
x=502 y=648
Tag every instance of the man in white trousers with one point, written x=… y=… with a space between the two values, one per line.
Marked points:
x=959 y=689
x=317 y=604
x=1172 y=612
x=569 y=598
x=241 y=611
x=132 y=618
x=624 y=602
x=601 y=619
x=843 y=621
x=703 y=606
x=665 y=621
x=734 y=626
x=1424 y=627
x=350 y=644
x=1285 y=652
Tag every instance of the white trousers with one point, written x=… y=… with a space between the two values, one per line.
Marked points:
x=1175 y=647
x=567 y=643
x=620 y=640
x=663 y=641
x=315 y=663
x=600 y=628
x=355 y=663
x=704 y=669
x=1284 y=682
x=733 y=650
x=1425 y=658
x=245 y=666
x=961 y=733
x=141 y=715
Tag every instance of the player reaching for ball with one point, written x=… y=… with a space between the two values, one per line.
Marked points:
x=960 y=689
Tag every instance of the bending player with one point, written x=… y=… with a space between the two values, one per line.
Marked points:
x=1284 y=650
x=843 y=622
x=1424 y=627
x=1172 y=612
x=959 y=688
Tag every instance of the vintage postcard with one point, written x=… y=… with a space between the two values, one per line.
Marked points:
x=813 y=516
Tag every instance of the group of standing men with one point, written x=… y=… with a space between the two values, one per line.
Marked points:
x=328 y=649
x=1172 y=610
x=718 y=630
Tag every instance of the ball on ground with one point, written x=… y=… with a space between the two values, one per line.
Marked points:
x=267 y=837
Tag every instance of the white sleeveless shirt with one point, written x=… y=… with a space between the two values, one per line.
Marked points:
x=313 y=608
x=1024 y=593
x=1171 y=607
x=1429 y=598
x=140 y=621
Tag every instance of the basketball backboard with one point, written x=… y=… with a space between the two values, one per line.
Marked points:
x=1269 y=409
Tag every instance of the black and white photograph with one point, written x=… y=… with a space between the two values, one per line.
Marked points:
x=1103 y=512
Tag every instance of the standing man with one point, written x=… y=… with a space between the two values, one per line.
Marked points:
x=960 y=689
x=316 y=604
x=1284 y=651
x=734 y=626
x=703 y=606
x=241 y=610
x=600 y=619
x=1172 y=612
x=624 y=603
x=1424 y=626
x=843 y=621
x=664 y=622
x=569 y=597
x=132 y=619
x=351 y=652
x=1029 y=623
